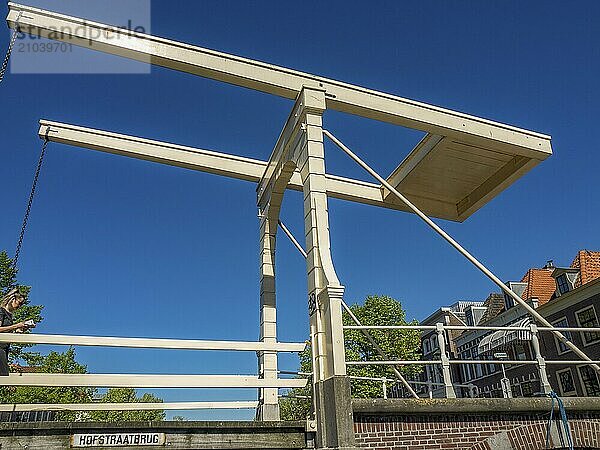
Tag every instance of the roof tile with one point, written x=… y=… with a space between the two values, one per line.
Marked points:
x=494 y=304
x=588 y=263
x=540 y=285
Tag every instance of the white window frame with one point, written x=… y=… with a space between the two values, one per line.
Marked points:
x=566 y=333
x=585 y=344
x=560 y=386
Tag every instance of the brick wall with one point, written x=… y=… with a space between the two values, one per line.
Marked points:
x=508 y=428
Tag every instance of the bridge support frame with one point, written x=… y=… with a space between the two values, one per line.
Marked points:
x=300 y=146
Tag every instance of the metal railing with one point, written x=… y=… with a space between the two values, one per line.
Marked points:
x=385 y=381
x=429 y=384
x=446 y=362
x=145 y=380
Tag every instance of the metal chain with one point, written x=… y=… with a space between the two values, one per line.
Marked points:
x=11 y=45
x=29 y=203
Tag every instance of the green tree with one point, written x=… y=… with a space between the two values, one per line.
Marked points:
x=127 y=395
x=53 y=362
x=8 y=276
x=397 y=344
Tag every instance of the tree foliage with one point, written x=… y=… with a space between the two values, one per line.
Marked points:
x=53 y=362
x=8 y=276
x=65 y=362
x=127 y=395
x=397 y=345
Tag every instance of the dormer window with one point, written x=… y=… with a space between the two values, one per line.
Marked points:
x=517 y=288
x=563 y=284
x=508 y=302
x=565 y=279
x=474 y=314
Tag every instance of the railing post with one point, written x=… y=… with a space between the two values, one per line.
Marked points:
x=448 y=388
x=384 y=388
x=541 y=362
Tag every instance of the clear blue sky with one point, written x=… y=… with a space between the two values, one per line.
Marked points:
x=129 y=248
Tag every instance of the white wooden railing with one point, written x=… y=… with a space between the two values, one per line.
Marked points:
x=114 y=380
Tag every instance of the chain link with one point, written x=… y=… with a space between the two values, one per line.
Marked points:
x=29 y=203
x=11 y=45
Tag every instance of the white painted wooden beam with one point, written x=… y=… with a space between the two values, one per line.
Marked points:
x=174 y=344
x=97 y=406
x=277 y=80
x=149 y=381
x=161 y=152
x=221 y=164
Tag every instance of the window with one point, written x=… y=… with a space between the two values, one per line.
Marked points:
x=438 y=377
x=566 y=382
x=426 y=347
x=562 y=323
x=497 y=393
x=434 y=342
x=520 y=352
x=471 y=371
x=589 y=381
x=484 y=369
x=463 y=372
x=517 y=288
x=516 y=390
x=527 y=389
x=508 y=302
x=586 y=318
x=478 y=370
x=563 y=284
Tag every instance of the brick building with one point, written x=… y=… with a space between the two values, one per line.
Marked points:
x=577 y=304
x=460 y=313
x=567 y=297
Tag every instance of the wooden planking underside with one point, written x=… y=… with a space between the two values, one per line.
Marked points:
x=451 y=171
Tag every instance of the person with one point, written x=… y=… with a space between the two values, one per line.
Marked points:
x=12 y=301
